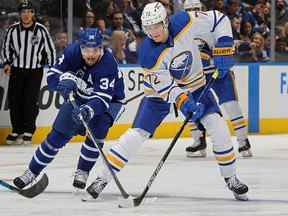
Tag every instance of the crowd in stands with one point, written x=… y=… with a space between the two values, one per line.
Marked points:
x=120 y=23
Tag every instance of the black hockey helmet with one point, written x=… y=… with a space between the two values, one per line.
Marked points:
x=25 y=5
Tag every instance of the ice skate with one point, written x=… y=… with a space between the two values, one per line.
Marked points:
x=95 y=189
x=245 y=149
x=11 y=139
x=238 y=188
x=27 y=139
x=80 y=179
x=198 y=149
x=22 y=181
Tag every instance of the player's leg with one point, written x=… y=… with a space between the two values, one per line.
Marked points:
x=224 y=153
x=222 y=146
x=228 y=100
x=198 y=148
x=89 y=152
x=150 y=114
x=63 y=130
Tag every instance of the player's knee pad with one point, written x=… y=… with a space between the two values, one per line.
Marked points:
x=131 y=141
x=217 y=129
x=57 y=140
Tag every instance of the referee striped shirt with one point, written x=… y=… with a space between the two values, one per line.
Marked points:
x=24 y=47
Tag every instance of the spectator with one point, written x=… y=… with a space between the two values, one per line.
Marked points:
x=281 y=12
x=89 y=20
x=219 y=5
x=22 y=62
x=131 y=15
x=100 y=23
x=246 y=31
x=117 y=23
x=255 y=50
x=44 y=20
x=61 y=41
x=119 y=49
x=4 y=23
x=236 y=26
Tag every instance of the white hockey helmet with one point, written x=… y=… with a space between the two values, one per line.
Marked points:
x=153 y=13
x=192 y=4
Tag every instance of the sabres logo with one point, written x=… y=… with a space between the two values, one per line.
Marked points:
x=180 y=65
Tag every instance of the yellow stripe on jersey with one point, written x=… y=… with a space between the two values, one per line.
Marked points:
x=205 y=56
x=223 y=51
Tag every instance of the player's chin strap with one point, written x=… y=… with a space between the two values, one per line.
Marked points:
x=120 y=187
x=137 y=200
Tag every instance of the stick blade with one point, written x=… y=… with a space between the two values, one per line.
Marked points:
x=37 y=188
x=135 y=201
x=126 y=203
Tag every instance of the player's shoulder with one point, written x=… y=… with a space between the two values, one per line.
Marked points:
x=178 y=22
x=72 y=50
x=149 y=52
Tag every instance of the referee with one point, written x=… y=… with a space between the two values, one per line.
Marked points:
x=27 y=46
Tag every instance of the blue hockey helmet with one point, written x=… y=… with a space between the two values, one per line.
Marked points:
x=180 y=65
x=90 y=37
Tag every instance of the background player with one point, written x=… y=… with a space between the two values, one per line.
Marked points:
x=92 y=74
x=173 y=73
x=224 y=88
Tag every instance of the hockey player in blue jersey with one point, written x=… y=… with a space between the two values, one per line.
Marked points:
x=91 y=73
x=173 y=74
x=224 y=88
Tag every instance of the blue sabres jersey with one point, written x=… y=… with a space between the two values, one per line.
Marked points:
x=97 y=85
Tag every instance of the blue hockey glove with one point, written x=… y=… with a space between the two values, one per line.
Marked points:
x=67 y=83
x=223 y=55
x=188 y=105
x=84 y=112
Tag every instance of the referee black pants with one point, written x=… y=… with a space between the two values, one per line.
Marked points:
x=23 y=93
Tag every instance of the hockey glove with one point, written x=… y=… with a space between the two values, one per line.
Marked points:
x=67 y=83
x=223 y=55
x=187 y=105
x=82 y=113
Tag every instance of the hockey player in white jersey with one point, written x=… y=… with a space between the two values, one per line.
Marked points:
x=225 y=88
x=173 y=73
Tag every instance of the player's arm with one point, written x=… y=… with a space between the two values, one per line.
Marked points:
x=53 y=75
x=223 y=51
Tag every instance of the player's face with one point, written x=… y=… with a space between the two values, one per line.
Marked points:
x=26 y=16
x=157 y=32
x=91 y=54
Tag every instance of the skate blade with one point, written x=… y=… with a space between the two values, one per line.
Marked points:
x=198 y=154
x=241 y=197
x=246 y=154
x=88 y=198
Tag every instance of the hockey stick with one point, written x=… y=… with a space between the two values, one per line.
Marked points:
x=133 y=98
x=120 y=187
x=30 y=192
x=138 y=200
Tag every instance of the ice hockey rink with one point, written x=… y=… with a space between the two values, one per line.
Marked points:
x=183 y=187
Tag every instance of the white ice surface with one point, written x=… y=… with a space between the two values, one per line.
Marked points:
x=183 y=187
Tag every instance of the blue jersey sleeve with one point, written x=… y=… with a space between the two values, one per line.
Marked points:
x=63 y=64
